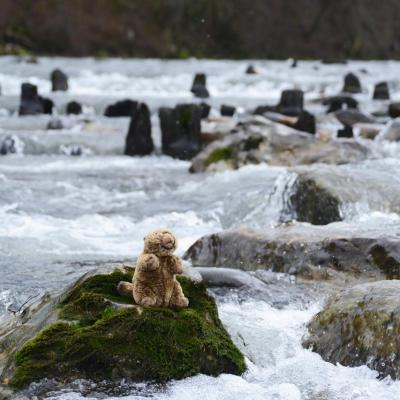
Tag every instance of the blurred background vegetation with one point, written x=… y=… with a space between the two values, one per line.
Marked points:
x=327 y=29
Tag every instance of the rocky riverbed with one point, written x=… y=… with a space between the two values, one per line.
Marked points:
x=277 y=211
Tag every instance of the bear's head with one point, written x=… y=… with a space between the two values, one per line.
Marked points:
x=161 y=243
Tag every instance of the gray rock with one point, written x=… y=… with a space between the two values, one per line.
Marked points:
x=381 y=91
x=336 y=103
x=138 y=139
x=59 y=81
x=181 y=130
x=320 y=192
x=227 y=277
x=360 y=326
x=257 y=139
x=351 y=84
x=351 y=117
x=199 y=86
x=310 y=252
x=11 y=144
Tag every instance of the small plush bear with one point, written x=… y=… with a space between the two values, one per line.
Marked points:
x=154 y=283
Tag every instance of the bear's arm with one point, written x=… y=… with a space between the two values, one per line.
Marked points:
x=176 y=265
x=148 y=263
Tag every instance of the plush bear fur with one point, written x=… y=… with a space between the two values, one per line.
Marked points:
x=154 y=283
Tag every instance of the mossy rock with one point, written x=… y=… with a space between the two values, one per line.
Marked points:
x=101 y=335
x=221 y=154
x=360 y=326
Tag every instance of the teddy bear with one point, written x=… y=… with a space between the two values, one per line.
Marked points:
x=154 y=283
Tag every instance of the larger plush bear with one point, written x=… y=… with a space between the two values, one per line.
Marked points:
x=154 y=283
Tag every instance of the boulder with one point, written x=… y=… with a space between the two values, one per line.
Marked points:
x=181 y=130
x=11 y=145
x=291 y=102
x=351 y=84
x=259 y=140
x=138 y=140
x=345 y=132
x=394 y=110
x=30 y=102
x=381 y=91
x=73 y=107
x=251 y=70
x=227 y=111
x=48 y=105
x=360 y=326
x=123 y=108
x=92 y=332
x=55 y=124
x=352 y=117
x=305 y=123
x=320 y=192
x=59 y=81
x=205 y=110
x=336 y=103
x=199 y=86
x=310 y=252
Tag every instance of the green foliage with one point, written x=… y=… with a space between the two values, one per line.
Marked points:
x=98 y=341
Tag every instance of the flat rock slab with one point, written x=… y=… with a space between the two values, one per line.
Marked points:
x=360 y=326
x=259 y=140
x=308 y=251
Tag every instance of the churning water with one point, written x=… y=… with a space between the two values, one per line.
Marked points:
x=61 y=215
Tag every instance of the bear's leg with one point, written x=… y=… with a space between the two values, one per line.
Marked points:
x=145 y=297
x=178 y=299
x=125 y=288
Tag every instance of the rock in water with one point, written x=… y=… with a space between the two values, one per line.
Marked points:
x=320 y=192
x=305 y=122
x=59 y=81
x=73 y=107
x=199 y=87
x=55 y=124
x=394 y=110
x=257 y=140
x=99 y=334
x=47 y=105
x=360 y=326
x=11 y=145
x=352 y=117
x=351 y=84
x=181 y=130
x=308 y=251
x=345 y=132
x=205 y=110
x=227 y=111
x=291 y=102
x=250 y=70
x=381 y=91
x=138 y=140
x=124 y=108
x=30 y=103
x=336 y=103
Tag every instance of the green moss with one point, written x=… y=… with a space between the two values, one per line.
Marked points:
x=224 y=153
x=142 y=344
